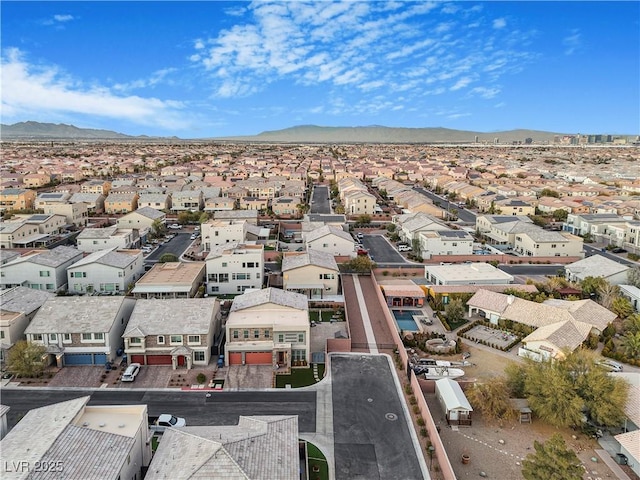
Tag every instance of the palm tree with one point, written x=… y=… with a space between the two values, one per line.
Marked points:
x=631 y=345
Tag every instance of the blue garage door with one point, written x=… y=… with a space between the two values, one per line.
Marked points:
x=71 y=359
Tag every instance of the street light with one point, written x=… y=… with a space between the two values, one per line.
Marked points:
x=431 y=449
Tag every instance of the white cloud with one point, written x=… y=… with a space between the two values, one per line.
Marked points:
x=485 y=92
x=63 y=18
x=499 y=23
x=29 y=89
x=572 y=42
x=461 y=83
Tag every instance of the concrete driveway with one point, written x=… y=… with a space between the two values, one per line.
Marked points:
x=249 y=377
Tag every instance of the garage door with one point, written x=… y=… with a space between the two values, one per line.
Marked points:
x=137 y=359
x=258 y=358
x=158 y=359
x=235 y=358
x=99 y=358
x=78 y=359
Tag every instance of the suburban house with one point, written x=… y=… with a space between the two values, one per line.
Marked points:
x=157 y=201
x=18 y=306
x=234 y=267
x=16 y=199
x=514 y=206
x=20 y=234
x=222 y=232
x=594 y=224
x=212 y=204
x=77 y=440
x=94 y=201
x=81 y=330
x=253 y=203
x=106 y=271
x=285 y=206
x=466 y=274
x=121 y=202
x=249 y=216
x=457 y=409
x=187 y=201
x=558 y=324
x=171 y=280
x=179 y=332
x=597 y=266
x=41 y=269
x=142 y=219
x=268 y=327
x=258 y=447
x=359 y=202
x=95 y=239
x=410 y=225
x=631 y=293
x=629 y=439
x=103 y=187
x=445 y=242
x=314 y=274
x=52 y=198
x=75 y=214
x=331 y=240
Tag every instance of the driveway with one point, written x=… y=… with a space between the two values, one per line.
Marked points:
x=249 y=377
x=381 y=250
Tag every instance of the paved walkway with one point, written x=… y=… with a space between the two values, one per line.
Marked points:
x=366 y=321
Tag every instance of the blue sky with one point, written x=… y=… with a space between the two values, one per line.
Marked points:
x=210 y=69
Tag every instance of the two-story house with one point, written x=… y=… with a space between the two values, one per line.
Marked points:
x=330 y=239
x=187 y=201
x=122 y=202
x=18 y=306
x=41 y=270
x=75 y=214
x=314 y=274
x=157 y=201
x=142 y=219
x=268 y=327
x=107 y=271
x=234 y=267
x=95 y=239
x=177 y=332
x=16 y=199
x=222 y=232
x=83 y=330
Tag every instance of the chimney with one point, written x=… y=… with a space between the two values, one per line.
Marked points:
x=510 y=299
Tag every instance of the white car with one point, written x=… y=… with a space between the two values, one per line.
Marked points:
x=131 y=372
x=193 y=236
x=175 y=226
x=404 y=248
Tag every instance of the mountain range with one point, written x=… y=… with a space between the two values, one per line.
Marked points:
x=298 y=134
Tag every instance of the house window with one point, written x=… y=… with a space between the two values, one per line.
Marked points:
x=45 y=273
x=135 y=341
x=198 y=356
x=50 y=286
x=79 y=274
x=223 y=278
x=193 y=339
x=224 y=264
x=256 y=334
x=86 y=337
x=175 y=339
x=53 y=337
x=1 y=334
x=160 y=340
x=301 y=338
x=37 y=337
x=213 y=277
x=236 y=334
x=297 y=355
x=215 y=289
x=66 y=338
x=267 y=334
x=98 y=336
x=245 y=334
x=281 y=338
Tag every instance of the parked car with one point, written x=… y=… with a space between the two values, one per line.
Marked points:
x=160 y=423
x=175 y=226
x=131 y=372
x=193 y=236
x=404 y=248
x=619 y=250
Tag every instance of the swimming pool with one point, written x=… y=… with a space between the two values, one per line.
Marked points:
x=404 y=320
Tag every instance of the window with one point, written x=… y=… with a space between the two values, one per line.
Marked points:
x=213 y=277
x=160 y=340
x=223 y=278
x=256 y=334
x=66 y=338
x=241 y=276
x=1 y=334
x=245 y=334
x=297 y=355
x=79 y=274
x=224 y=264
x=98 y=336
x=45 y=273
x=327 y=276
x=281 y=338
x=193 y=339
x=175 y=339
x=301 y=338
x=86 y=337
x=50 y=286
x=37 y=337
x=553 y=245
x=267 y=334
x=236 y=334
x=53 y=337
x=198 y=356
x=215 y=289
x=135 y=341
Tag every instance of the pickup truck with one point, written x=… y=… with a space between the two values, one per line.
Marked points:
x=161 y=423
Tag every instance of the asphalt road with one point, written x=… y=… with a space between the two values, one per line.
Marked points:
x=222 y=408
x=531 y=270
x=176 y=245
x=320 y=200
x=381 y=250
x=464 y=215
x=371 y=434
x=611 y=256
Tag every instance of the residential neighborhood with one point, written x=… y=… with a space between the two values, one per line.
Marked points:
x=220 y=271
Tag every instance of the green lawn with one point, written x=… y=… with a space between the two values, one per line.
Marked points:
x=301 y=377
x=326 y=315
x=317 y=459
x=154 y=443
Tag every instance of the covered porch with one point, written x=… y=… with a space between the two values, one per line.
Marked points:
x=403 y=295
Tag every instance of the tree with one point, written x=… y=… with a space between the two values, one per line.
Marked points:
x=492 y=400
x=632 y=324
x=454 y=311
x=391 y=227
x=552 y=461
x=633 y=277
x=560 y=215
x=622 y=307
x=158 y=228
x=607 y=293
x=516 y=379
x=167 y=257
x=364 y=219
x=547 y=192
x=631 y=345
x=204 y=217
x=26 y=359
x=591 y=285
x=360 y=264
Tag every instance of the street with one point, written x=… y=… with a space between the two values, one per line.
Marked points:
x=381 y=251
x=320 y=200
x=176 y=246
x=464 y=215
x=221 y=408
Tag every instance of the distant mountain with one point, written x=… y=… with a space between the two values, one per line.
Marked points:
x=37 y=130
x=380 y=134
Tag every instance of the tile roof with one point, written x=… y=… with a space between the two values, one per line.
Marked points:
x=108 y=257
x=328 y=230
x=595 y=266
x=23 y=300
x=564 y=334
x=277 y=296
x=311 y=257
x=172 y=316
